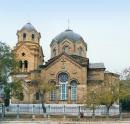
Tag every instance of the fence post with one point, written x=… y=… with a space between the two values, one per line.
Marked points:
x=49 y=111
x=33 y=115
x=79 y=112
x=17 y=111
x=3 y=113
x=64 y=111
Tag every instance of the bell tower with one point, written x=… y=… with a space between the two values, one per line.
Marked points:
x=28 y=50
x=28 y=34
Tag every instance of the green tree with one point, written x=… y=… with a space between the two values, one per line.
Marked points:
x=113 y=92
x=43 y=87
x=17 y=90
x=125 y=80
x=92 y=100
x=8 y=64
x=109 y=95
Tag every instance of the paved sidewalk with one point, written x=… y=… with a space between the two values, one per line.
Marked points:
x=62 y=122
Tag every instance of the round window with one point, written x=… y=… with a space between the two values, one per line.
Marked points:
x=63 y=77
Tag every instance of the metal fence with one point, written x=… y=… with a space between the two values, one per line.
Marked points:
x=60 y=109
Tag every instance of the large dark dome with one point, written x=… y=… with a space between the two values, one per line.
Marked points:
x=68 y=34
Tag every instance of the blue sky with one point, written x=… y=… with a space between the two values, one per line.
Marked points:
x=104 y=25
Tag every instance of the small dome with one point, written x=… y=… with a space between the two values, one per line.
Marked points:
x=70 y=35
x=29 y=27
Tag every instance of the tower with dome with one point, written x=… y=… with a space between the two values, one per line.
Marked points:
x=68 y=68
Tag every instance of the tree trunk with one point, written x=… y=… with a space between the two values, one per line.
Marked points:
x=93 y=115
x=107 y=112
x=43 y=107
x=42 y=102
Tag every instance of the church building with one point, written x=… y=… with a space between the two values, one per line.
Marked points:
x=68 y=68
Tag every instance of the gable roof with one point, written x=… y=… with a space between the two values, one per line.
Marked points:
x=82 y=60
x=75 y=58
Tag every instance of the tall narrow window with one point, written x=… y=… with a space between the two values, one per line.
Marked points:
x=63 y=91
x=66 y=49
x=24 y=35
x=80 y=51
x=53 y=91
x=53 y=95
x=26 y=64
x=20 y=64
x=33 y=36
x=37 y=96
x=73 y=90
x=63 y=81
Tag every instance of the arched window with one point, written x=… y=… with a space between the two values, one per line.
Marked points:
x=53 y=91
x=73 y=90
x=66 y=49
x=80 y=51
x=20 y=64
x=63 y=81
x=24 y=35
x=37 y=96
x=54 y=52
x=53 y=95
x=26 y=64
x=33 y=36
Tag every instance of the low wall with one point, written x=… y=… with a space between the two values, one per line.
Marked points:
x=60 y=109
